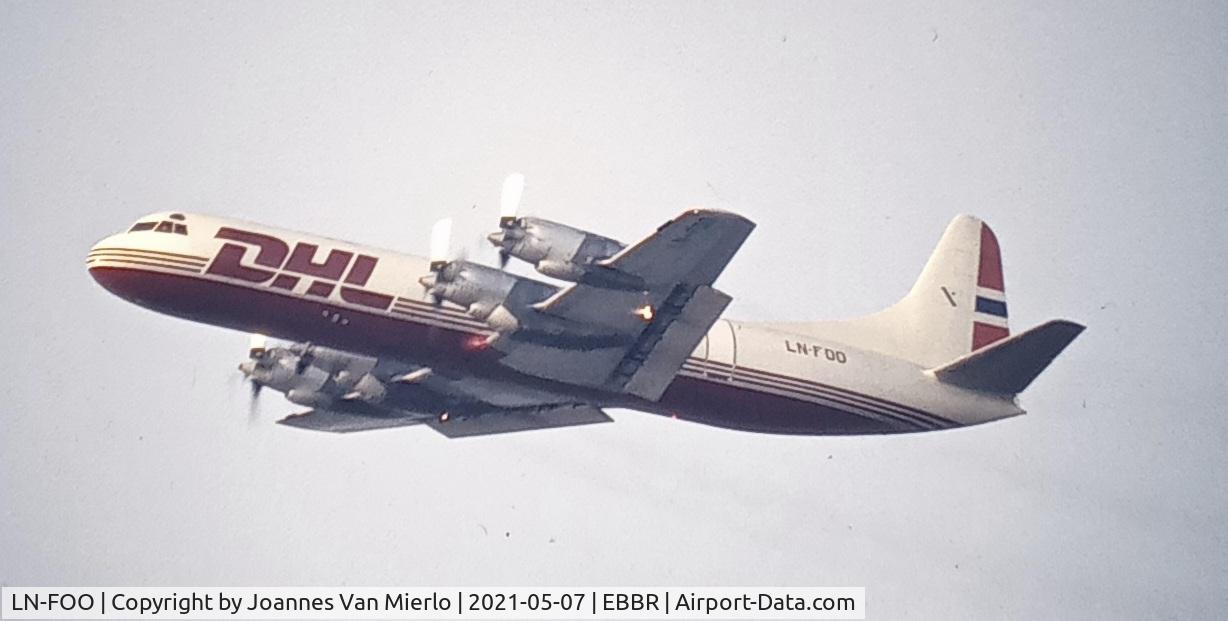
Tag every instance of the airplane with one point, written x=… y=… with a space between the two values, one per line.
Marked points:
x=383 y=339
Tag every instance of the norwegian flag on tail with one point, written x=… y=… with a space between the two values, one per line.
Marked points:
x=989 y=318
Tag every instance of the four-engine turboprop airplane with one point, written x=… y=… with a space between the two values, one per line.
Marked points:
x=386 y=339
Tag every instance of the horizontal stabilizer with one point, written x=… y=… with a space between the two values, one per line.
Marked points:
x=1008 y=366
x=508 y=421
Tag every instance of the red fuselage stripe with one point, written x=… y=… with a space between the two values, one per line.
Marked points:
x=173 y=255
x=862 y=398
x=112 y=255
x=153 y=263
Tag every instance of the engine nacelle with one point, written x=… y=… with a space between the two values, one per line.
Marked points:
x=333 y=361
x=554 y=249
x=314 y=376
x=477 y=288
x=368 y=388
x=484 y=291
x=309 y=398
x=282 y=369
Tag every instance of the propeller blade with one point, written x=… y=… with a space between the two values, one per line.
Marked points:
x=256 y=346
x=441 y=237
x=253 y=406
x=513 y=188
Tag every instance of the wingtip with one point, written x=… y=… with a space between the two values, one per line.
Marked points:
x=721 y=214
x=1074 y=328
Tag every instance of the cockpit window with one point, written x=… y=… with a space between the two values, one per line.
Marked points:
x=177 y=216
x=165 y=226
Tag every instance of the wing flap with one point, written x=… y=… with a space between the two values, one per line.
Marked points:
x=649 y=377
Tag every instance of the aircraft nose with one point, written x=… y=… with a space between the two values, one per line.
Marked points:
x=110 y=241
x=138 y=265
x=101 y=250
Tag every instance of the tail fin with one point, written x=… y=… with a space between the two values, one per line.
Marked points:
x=1008 y=366
x=958 y=304
x=956 y=307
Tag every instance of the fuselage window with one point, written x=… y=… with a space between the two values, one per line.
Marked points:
x=164 y=227
x=142 y=226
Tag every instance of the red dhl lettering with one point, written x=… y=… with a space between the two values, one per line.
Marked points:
x=275 y=262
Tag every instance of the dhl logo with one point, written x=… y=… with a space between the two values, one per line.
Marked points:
x=276 y=263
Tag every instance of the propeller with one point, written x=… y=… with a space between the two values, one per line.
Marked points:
x=513 y=188
x=442 y=254
x=441 y=238
x=509 y=206
x=257 y=357
x=257 y=345
x=253 y=405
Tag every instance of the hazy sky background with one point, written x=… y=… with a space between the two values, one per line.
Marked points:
x=1093 y=137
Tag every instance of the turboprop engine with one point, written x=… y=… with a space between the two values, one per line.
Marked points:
x=486 y=293
x=554 y=249
x=483 y=291
x=312 y=375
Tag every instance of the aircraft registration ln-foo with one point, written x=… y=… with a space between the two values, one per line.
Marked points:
x=384 y=339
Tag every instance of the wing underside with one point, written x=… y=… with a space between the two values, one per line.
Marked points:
x=474 y=423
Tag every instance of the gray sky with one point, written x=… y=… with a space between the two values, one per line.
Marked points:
x=1093 y=138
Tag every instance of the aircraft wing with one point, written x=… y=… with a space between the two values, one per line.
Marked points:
x=635 y=338
x=480 y=423
x=692 y=248
x=689 y=251
x=527 y=419
x=345 y=422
